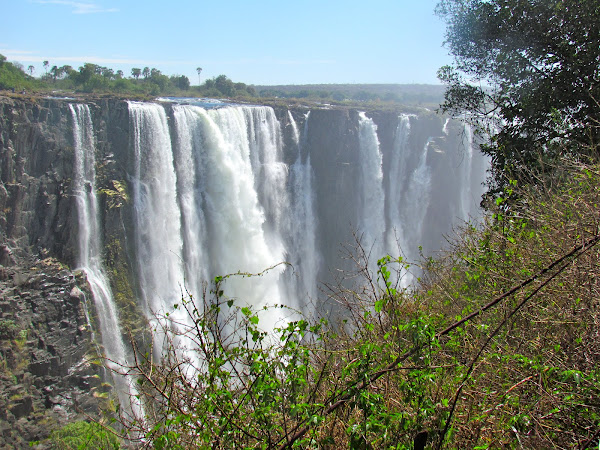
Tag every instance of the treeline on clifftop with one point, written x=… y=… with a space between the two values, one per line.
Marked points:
x=92 y=78
x=151 y=82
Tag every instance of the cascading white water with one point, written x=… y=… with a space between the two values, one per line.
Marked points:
x=222 y=201
x=190 y=188
x=295 y=132
x=157 y=215
x=416 y=203
x=270 y=173
x=90 y=256
x=301 y=226
x=371 y=221
x=466 y=199
x=237 y=237
x=395 y=236
x=445 y=127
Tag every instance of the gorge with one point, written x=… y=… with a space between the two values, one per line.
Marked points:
x=151 y=200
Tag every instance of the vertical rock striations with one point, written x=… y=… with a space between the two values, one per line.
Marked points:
x=183 y=194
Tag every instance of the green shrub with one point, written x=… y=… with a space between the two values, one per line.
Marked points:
x=8 y=329
x=83 y=435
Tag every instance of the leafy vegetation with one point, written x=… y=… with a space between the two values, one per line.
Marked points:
x=11 y=76
x=8 y=329
x=497 y=346
x=83 y=435
x=92 y=78
x=527 y=71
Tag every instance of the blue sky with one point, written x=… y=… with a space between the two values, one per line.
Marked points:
x=255 y=42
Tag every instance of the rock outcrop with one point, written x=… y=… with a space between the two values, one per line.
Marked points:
x=47 y=332
x=49 y=367
x=50 y=372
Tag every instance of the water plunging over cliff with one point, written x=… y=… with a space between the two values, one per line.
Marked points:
x=302 y=282
x=159 y=243
x=371 y=201
x=220 y=191
x=193 y=191
x=90 y=254
x=398 y=169
x=200 y=216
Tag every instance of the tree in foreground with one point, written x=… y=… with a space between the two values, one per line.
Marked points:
x=497 y=347
x=529 y=72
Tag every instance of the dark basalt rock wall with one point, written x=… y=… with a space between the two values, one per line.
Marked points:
x=47 y=372
x=36 y=161
x=45 y=376
x=47 y=348
x=333 y=147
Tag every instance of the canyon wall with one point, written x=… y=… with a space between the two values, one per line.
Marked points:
x=186 y=193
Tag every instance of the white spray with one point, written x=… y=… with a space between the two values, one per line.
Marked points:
x=398 y=173
x=188 y=142
x=466 y=198
x=302 y=224
x=235 y=220
x=157 y=216
x=372 y=201
x=90 y=257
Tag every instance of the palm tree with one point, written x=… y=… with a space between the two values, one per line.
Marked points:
x=46 y=64
x=31 y=69
x=199 y=70
x=55 y=71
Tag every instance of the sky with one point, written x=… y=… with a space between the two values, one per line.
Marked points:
x=266 y=42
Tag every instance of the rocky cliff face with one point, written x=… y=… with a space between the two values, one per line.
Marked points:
x=35 y=169
x=47 y=332
x=49 y=371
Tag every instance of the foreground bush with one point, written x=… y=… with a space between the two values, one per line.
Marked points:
x=497 y=346
x=83 y=435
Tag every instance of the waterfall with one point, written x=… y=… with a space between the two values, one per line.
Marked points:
x=416 y=203
x=466 y=173
x=270 y=172
x=445 y=127
x=371 y=221
x=397 y=175
x=296 y=133
x=302 y=226
x=157 y=216
x=213 y=195
x=231 y=159
x=190 y=188
x=90 y=256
